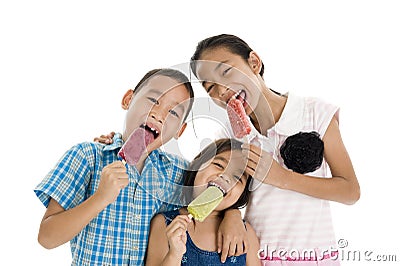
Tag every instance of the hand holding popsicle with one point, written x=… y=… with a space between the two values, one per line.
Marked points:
x=113 y=179
x=176 y=234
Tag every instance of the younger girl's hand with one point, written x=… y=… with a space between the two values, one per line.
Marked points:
x=105 y=139
x=176 y=234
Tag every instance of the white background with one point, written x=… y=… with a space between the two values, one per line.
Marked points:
x=65 y=65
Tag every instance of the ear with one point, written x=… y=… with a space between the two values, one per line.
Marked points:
x=126 y=100
x=255 y=62
x=181 y=130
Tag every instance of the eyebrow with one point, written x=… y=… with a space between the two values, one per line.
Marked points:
x=221 y=158
x=155 y=91
x=220 y=64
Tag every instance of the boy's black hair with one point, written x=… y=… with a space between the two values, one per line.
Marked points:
x=174 y=74
x=207 y=154
x=231 y=42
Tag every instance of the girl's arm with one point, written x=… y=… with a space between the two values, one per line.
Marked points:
x=343 y=187
x=167 y=244
x=232 y=235
x=58 y=226
x=252 y=258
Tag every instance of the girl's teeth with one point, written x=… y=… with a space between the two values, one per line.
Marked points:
x=236 y=95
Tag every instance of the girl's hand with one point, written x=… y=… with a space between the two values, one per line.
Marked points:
x=232 y=235
x=176 y=234
x=105 y=139
x=259 y=161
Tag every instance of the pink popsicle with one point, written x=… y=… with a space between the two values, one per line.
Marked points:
x=135 y=145
x=238 y=118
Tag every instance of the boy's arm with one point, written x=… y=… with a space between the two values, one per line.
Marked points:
x=59 y=226
x=232 y=235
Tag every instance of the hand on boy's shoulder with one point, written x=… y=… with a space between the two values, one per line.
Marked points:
x=105 y=139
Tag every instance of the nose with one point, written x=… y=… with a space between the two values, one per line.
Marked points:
x=225 y=178
x=157 y=115
x=222 y=91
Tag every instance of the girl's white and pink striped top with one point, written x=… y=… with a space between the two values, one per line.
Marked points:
x=284 y=220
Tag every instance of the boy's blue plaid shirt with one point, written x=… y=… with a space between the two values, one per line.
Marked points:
x=119 y=234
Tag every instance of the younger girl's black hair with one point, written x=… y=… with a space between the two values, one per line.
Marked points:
x=207 y=154
x=231 y=42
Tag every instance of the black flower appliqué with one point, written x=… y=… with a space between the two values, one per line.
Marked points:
x=303 y=152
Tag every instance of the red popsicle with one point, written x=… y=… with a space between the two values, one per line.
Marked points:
x=238 y=118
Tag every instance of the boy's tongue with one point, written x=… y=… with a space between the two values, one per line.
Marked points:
x=135 y=145
x=148 y=137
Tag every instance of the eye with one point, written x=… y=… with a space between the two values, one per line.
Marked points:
x=172 y=112
x=153 y=100
x=226 y=71
x=210 y=88
x=218 y=165
x=238 y=178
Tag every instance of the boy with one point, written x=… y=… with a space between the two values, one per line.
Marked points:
x=100 y=205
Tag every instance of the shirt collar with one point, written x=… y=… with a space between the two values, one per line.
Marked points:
x=291 y=120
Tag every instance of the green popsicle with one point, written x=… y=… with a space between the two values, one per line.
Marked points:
x=205 y=203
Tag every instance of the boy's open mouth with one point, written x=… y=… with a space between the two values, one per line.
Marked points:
x=151 y=133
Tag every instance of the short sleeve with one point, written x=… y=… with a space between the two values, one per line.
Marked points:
x=67 y=181
x=323 y=114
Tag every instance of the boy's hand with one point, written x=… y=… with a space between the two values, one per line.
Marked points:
x=176 y=234
x=232 y=235
x=105 y=139
x=113 y=179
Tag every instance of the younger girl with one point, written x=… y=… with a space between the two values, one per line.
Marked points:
x=176 y=240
